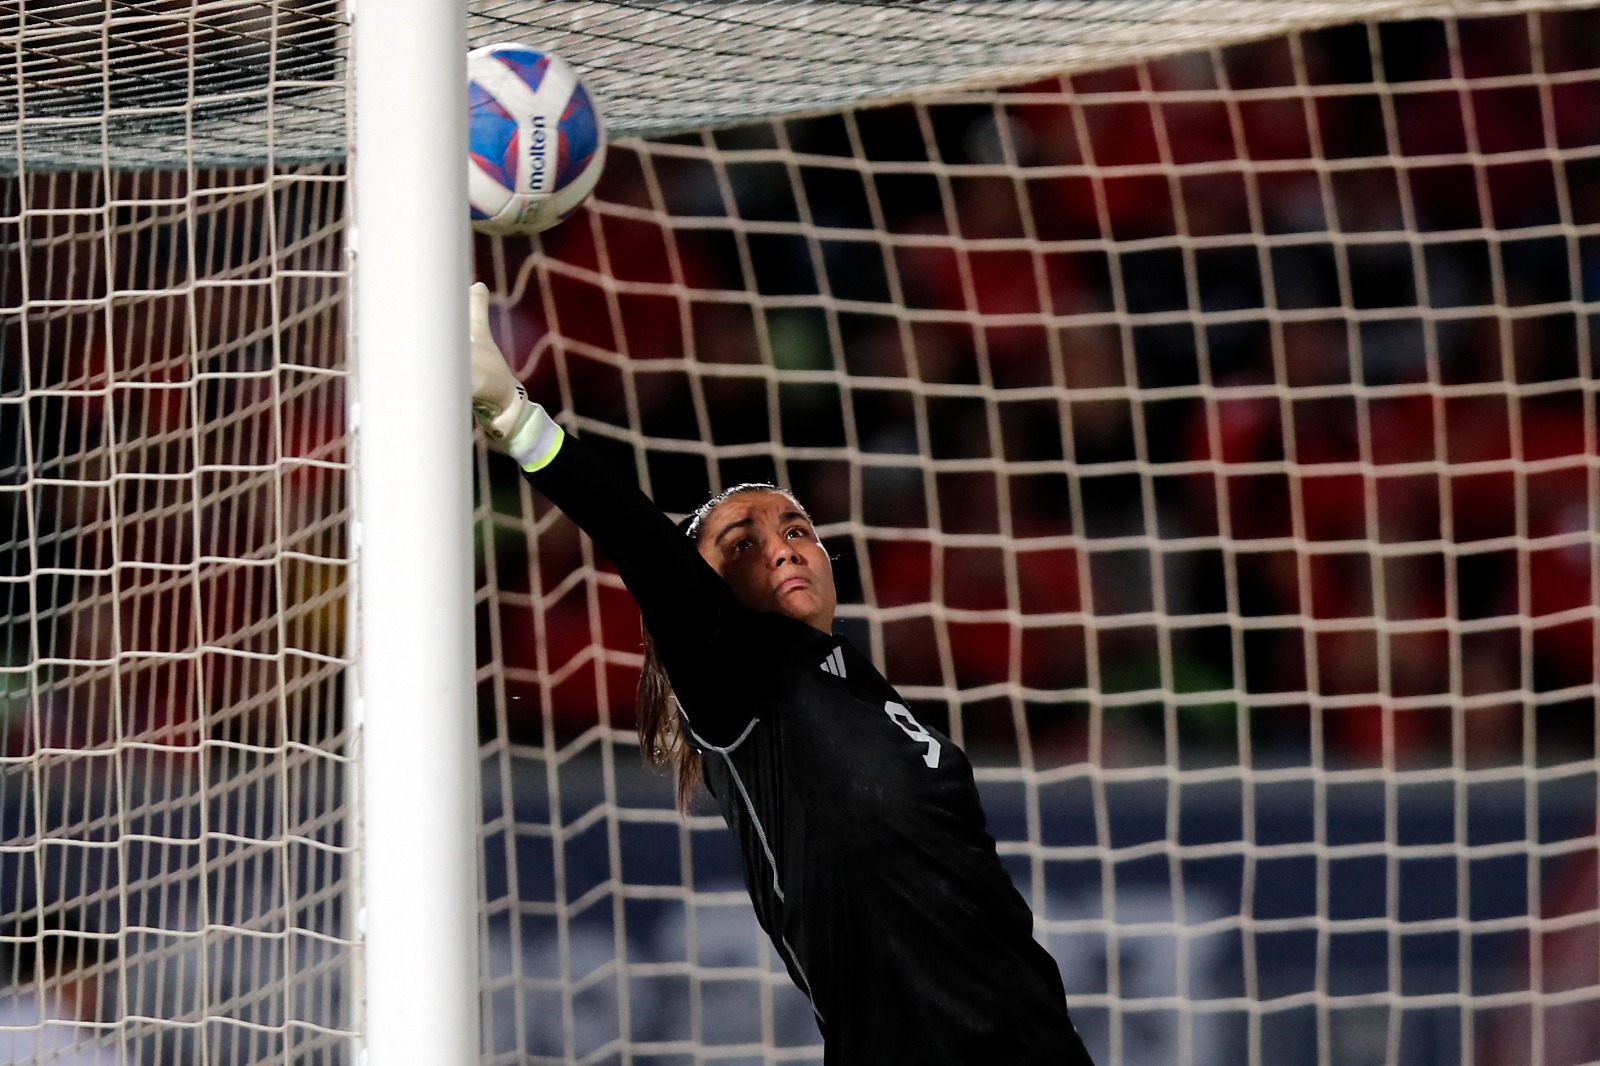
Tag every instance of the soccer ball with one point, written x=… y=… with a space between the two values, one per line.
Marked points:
x=534 y=137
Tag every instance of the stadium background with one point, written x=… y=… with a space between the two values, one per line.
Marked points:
x=1493 y=569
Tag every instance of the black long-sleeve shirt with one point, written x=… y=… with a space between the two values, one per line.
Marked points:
x=864 y=842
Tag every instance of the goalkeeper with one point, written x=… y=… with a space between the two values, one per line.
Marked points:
x=864 y=844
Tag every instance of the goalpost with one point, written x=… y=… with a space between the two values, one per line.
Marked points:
x=1199 y=397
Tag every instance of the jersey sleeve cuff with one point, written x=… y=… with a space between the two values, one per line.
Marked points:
x=535 y=441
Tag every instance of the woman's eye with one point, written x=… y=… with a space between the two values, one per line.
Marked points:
x=740 y=545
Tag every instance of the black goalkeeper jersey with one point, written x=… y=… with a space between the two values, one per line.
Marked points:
x=864 y=843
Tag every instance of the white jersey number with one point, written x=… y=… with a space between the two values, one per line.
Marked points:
x=913 y=729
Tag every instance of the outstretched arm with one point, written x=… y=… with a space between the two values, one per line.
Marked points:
x=684 y=602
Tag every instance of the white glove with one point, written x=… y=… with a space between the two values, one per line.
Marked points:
x=499 y=403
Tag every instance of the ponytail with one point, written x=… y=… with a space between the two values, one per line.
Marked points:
x=661 y=732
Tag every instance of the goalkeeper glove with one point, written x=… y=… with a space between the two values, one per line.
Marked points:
x=523 y=428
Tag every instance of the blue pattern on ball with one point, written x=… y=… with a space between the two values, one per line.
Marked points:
x=580 y=137
x=528 y=64
x=492 y=136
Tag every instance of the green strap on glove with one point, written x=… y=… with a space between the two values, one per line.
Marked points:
x=501 y=406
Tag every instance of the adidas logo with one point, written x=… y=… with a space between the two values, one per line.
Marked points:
x=834 y=663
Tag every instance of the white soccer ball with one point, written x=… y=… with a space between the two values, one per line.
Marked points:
x=535 y=139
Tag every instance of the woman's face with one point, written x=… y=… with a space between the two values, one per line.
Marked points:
x=765 y=548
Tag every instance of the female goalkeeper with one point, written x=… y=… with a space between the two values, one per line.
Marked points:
x=861 y=831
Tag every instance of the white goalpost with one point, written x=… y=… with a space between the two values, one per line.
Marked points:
x=1198 y=396
x=410 y=530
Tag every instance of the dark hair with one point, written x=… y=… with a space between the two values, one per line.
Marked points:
x=661 y=733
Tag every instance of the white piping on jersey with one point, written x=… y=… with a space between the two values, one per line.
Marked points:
x=834 y=663
x=804 y=980
x=731 y=747
x=749 y=807
x=761 y=834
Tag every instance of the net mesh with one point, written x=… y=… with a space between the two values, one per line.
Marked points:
x=104 y=84
x=680 y=66
x=113 y=84
x=173 y=776
x=1208 y=444
x=1207 y=435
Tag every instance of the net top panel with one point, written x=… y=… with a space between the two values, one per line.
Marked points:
x=669 y=68
x=221 y=82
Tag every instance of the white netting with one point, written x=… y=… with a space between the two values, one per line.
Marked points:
x=1209 y=443
x=239 y=82
x=173 y=784
x=683 y=65
x=107 y=84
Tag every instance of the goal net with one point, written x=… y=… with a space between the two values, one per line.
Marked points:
x=173 y=564
x=1204 y=423
x=1199 y=398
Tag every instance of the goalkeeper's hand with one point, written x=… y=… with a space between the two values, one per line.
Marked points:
x=501 y=407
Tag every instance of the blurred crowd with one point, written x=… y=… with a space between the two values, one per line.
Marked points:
x=1255 y=404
